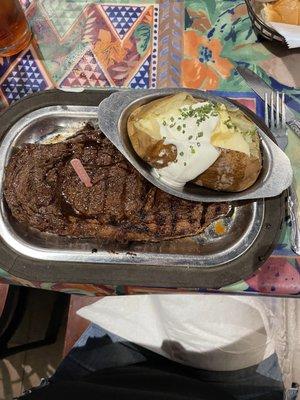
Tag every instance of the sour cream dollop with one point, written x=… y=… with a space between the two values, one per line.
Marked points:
x=190 y=130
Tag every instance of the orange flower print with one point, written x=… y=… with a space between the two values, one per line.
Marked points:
x=109 y=50
x=203 y=66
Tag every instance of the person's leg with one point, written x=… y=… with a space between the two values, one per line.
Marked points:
x=98 y=349
x=260 y=382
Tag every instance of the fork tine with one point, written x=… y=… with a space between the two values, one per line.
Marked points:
x=272 y=111
x=283 y=110
x=277 y=110
x=266 y=109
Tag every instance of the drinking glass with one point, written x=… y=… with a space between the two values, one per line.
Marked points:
x=15 y=33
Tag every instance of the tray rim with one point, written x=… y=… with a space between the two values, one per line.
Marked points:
x=132 y=274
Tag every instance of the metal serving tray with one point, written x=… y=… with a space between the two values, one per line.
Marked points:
x=207 y=252
x=55 y=123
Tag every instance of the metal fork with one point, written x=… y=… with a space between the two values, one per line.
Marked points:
x=275 y=119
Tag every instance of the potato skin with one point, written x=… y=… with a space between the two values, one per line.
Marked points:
x=233 y=171
x=152 y=148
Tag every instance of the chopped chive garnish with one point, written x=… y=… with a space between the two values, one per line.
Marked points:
x=172 y=119
x=228 y=123
x=190 y=137
x=181 y=153
x=164 y=123
x=184 y=164
x=201 y=113
x=193 y=151
x=179 y=128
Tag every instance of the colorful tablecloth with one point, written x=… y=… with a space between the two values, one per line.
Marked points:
x=149 y=44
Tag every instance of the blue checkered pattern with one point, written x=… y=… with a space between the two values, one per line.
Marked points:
x=142 y=77
x=24 y=79
x=123 y=17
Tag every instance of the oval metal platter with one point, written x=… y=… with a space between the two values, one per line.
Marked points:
x=275 y=177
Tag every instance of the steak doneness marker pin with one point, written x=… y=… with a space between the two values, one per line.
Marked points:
x=81 y=172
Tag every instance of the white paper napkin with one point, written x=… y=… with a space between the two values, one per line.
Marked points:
x=291 y=33
x=220 y=333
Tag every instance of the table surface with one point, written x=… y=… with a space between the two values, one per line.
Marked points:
x=154 y=44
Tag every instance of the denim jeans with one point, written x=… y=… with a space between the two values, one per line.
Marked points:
x=98 y=349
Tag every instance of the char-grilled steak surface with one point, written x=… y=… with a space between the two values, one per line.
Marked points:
x=43 y=191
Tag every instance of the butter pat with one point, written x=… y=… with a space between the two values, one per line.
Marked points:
x=227 y=136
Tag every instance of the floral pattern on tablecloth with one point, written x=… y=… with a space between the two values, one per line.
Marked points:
x=83 y=44
x=148 y=44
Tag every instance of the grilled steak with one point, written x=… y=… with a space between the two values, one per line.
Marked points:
x=43 y=191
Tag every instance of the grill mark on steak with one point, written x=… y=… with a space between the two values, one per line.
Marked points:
x=174 y=217
x=43 y=191
x=204 y=212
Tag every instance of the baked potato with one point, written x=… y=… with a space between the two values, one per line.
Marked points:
x=144 y=131
x=224 y=155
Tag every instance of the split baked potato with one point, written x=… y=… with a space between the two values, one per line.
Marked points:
x=144 y=131
x=238 y=162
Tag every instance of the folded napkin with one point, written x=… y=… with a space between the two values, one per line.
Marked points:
x=220 y=333
x=291 y=33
